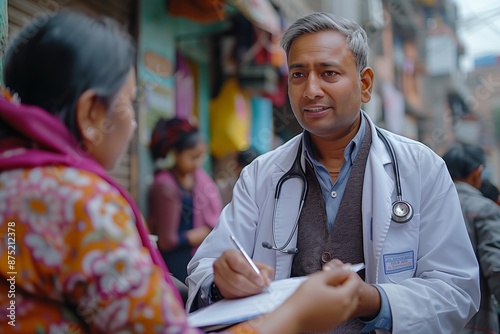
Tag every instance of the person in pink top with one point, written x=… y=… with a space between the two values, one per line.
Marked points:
x=184 y=202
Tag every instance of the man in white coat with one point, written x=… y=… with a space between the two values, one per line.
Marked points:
x=369 y=196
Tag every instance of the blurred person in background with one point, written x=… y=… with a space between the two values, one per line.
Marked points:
x=184 y=202
x=74 y=254
x=226 y=184
x=245 y=157
x=465 y=163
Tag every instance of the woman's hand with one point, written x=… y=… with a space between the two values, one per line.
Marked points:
x=323 y=301
x=369 y=297
x=327 y=299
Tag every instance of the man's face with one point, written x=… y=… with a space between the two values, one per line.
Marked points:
x=324 y=86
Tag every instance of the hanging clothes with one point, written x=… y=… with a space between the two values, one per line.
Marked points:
x=203 y=11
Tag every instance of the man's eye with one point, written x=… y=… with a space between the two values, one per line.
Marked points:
x=297 y=75
x=330 y=73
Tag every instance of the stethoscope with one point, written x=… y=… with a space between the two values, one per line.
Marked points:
x=402 y=211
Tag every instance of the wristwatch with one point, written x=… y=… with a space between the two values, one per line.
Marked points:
x=215 y=294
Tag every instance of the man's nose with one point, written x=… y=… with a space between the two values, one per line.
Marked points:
x=313 y=87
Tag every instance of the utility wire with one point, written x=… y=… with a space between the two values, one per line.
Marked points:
x=478 y=20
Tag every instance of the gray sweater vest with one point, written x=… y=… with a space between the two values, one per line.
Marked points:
x=317 y=244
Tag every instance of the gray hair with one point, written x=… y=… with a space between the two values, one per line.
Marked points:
x=319 y=21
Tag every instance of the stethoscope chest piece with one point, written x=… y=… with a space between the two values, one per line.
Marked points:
x=402 y=211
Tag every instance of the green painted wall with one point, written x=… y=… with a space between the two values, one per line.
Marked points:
x=3 y=33
x=155 y=92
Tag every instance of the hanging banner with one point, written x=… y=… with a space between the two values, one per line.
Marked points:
x=261 y=13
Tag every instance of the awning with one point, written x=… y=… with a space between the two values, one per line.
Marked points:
x=261 y=13
x=292 y=9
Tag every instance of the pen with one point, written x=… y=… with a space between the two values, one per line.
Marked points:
x=245 y=255
x=357 y=267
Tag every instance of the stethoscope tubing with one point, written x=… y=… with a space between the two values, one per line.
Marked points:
x=295 y=226
x=296 y=171
x=395 y=164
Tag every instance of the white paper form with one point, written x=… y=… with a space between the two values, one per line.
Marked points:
x=231 y=311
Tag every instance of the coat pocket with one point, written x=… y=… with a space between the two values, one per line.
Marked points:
x=400 y=251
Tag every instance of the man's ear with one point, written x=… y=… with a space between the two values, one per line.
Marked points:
x=475 y=176
x=366 y=77
x=88 y=115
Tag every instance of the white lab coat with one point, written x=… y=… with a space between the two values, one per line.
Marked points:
x=438 y=292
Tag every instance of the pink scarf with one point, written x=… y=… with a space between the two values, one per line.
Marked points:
x=55 y=145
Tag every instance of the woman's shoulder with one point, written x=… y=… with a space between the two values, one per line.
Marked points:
x=202 y=175
x=56 y=184
x=164 y=177
x=45 y=175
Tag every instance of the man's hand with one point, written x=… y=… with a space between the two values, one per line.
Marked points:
x=234 y=277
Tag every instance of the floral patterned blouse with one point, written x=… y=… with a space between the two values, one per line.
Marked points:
x=71 y=260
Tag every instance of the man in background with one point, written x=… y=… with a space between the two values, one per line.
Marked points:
x=465 y=163
x=226 y=183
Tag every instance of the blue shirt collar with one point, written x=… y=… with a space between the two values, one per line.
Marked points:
x=350 y=151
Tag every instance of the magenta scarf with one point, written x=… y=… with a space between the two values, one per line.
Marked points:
x=53 y=144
